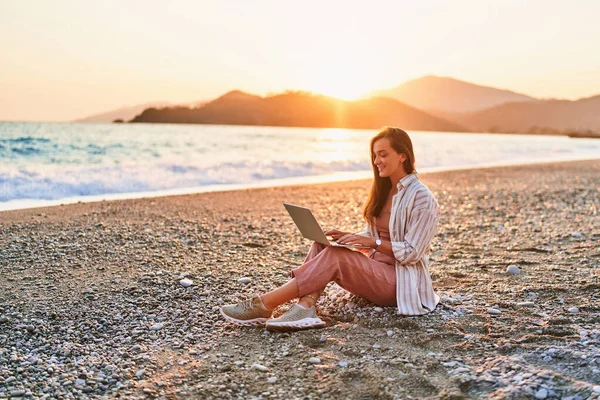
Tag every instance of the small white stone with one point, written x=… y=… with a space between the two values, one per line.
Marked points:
x=541 y=394
x=79 y=382
x=343 y=364
x=450 y=364
x=376 y=346
x=245 y=280
x=494 y=311
x=272 y=379
x=577 y=235
x=323 y=339
x=513 y=270
x=259 y=367
x=156 y=327
x=140 y=373
x=314 y=360
x=596 y=389
x=390 y=333
x=526 y=304
x=573 y=310
x=378 y=309
x=186 y=282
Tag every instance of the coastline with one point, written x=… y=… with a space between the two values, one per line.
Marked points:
x=270 y=183
x=91 y=292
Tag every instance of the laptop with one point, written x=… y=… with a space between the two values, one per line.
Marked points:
x=310 y=228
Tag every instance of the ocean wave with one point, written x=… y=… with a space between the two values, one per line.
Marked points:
x=25 y=140
x=57 y=183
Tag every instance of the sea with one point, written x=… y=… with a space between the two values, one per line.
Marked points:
x=45 y=164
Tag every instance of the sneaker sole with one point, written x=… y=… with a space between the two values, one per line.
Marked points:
x=300 y=325
x=248 y=322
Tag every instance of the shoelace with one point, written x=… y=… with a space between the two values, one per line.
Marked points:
x=247 y=305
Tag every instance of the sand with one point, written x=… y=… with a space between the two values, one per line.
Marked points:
x=91 y=303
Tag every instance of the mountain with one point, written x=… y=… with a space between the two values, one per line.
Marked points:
x=433 y=93
x=542 y=116
x=127 y=113
x=124 y=113
x=300 y=109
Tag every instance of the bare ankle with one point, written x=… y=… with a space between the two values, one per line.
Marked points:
x=307 y=301
x=266 y=303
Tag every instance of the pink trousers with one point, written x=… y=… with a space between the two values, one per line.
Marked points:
x=360 y=275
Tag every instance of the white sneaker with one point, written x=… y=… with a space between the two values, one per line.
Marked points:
x=295 y=319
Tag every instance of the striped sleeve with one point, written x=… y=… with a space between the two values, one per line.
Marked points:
x=366 y=232
x=419 y=234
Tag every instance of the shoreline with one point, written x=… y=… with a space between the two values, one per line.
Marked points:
x=91 y=304
x=25 y=204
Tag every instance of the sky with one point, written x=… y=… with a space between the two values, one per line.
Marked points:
x=62 y=60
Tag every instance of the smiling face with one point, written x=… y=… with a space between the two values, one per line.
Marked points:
x=387 y=160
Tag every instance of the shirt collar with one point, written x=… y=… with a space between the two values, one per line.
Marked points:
x=407 y=180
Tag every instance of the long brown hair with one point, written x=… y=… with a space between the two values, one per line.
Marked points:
x=401 y=143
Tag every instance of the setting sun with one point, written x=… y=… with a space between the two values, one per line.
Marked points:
x=344 y=79
x=341 y=87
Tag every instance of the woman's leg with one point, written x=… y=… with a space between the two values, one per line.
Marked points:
x=289 y=291
x=360 y=275
x=363 y=276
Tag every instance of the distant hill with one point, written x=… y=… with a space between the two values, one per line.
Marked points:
x=433 y=93
x=124 y=113
x=127 y=113
x=300 y=109
x=542 y=116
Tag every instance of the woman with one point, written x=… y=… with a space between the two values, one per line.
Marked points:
x=401 y=215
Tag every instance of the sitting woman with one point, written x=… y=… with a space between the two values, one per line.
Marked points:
x=401 y=215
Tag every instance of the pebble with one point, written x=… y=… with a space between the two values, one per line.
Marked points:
x=343 y=364
x=245 y=280
x=140 y=373
x=323 y=339
x=79 y=382
x=272 y=379
x=314 y=360
x=378 y=309
x=541 y=394
x=526 y=304
x=596 y=389
x=17 y=393
x=494 y=311
x=156 y=327
x=186 y=282
x=577 y=235
x=513 y=270
x=573 y=310
x=390 y=333
x=259 y=367
x=450 y=364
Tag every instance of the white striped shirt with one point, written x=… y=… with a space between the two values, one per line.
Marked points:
x=413 y=223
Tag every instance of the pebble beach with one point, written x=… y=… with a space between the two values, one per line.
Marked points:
x=121 y=298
